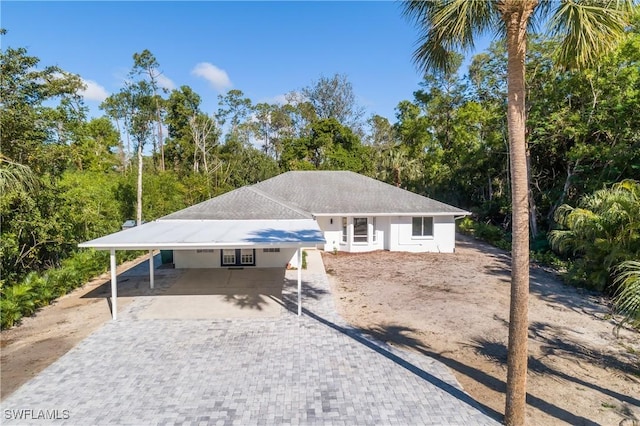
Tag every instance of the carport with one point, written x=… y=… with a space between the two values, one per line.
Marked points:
x=209 y=234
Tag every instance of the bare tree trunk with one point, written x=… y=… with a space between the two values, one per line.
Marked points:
x=123 y=158
x=139 y=197
x=160 y=137
x=565 y=189
x=516 y=15
x=128 y=145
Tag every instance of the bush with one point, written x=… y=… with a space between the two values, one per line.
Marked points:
x=37 y=290
x=491 y=234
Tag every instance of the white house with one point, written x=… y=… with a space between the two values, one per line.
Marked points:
x=263 y=225
x=266 y=225
x=359 y=214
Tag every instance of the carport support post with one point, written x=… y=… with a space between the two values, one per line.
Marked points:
x=150 y=268
x=299 y=281
x=114 y=286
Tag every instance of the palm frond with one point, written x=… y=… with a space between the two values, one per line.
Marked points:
x=627 y=296
x=562 y=241
x=588 y=29
x=447 y=26
x=15 y=176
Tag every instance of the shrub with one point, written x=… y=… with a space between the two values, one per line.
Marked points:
x=37 y=290
x=491 y=234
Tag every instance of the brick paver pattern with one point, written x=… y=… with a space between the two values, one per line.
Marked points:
x=313 y=369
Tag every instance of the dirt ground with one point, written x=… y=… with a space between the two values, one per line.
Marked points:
x=455 y=308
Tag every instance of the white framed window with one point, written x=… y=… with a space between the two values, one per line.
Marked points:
x=360 y=230
x=228 y=257
x=422 y=226
x=246 y=257
x=344 y=229
x=271 y=250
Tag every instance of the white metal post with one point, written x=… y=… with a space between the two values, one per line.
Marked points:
x=114 y=286
x=150 y=268
x=299 y=280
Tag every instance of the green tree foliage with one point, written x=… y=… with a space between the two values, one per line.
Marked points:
x=34 y=134
x=602 y=232
x=330 y=146
x=627 y=296
x=334 y=98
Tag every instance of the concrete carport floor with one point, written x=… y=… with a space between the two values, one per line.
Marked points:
x=219 y=293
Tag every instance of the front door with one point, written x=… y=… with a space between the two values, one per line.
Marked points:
x=238 y=257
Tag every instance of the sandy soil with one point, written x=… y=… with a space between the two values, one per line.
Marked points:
x=455 y=307
x=40 y=340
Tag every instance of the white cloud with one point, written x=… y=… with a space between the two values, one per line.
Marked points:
x=165 y=82
x=93 y=91
x=214 y=75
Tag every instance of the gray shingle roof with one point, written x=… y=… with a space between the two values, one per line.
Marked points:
x=299 y=194
x=246 y=203
x=336 y=192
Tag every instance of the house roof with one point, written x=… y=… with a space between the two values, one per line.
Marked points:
x=347 y=193
x=276 y=212
x=246 y=203
x=203 y=234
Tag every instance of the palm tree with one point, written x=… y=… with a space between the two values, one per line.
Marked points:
x=603 y=231
x=15 y=176
x=587 y=28
x=627 y=297
x=396 y=165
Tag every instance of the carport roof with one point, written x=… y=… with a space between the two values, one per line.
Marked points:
x=206 y=234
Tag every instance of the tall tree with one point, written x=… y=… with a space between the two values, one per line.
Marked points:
x=183 y=103
x=140 y=126
x=587 y=28
x=145 y=63
x=333 y=97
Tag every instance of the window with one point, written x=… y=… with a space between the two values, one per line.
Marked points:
x=344 y=229
x=246 y=257
x=238 y=257
x=205 y=251
x=374 y=236
x=228 y=257
x=271 y=250
x=422 y=227
x=360 y=230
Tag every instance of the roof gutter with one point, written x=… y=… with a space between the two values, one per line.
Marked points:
x=362 y=214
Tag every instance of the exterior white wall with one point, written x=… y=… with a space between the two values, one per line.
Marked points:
x=443 y=240
x=274 y=260
x=184 y=259
x=332 y=232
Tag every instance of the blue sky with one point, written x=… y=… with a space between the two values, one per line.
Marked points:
x=265 y=49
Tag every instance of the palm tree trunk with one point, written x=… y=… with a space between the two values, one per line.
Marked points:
x=139 y=195
x=516 y=15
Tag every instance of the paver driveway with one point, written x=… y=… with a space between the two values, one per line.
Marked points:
x=312 y=369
